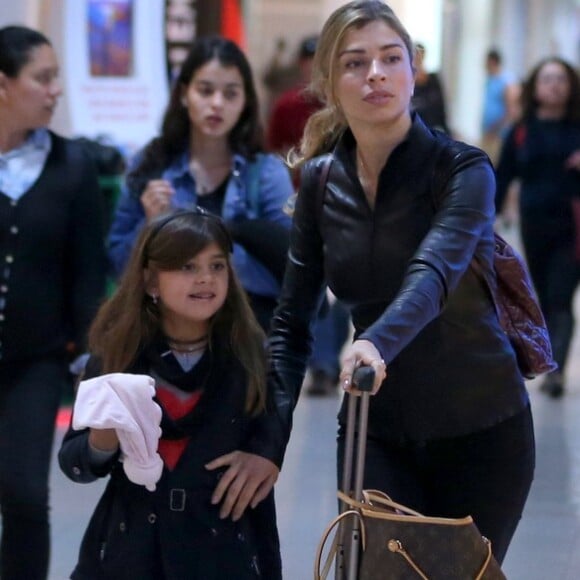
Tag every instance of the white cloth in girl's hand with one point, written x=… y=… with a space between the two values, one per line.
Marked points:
x=124 y=402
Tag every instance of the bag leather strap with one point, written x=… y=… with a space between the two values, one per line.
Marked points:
x=397 y=547
x=318 y=575
x=322 y=179
x=374 y=497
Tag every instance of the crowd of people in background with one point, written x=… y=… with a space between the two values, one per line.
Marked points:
x=266 y=253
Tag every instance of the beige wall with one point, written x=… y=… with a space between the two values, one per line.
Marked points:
x=461 y=31
x=20 y=12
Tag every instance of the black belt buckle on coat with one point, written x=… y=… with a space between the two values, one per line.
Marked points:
x=177 y=500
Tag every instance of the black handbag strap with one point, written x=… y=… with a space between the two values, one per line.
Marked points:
x=324 y=168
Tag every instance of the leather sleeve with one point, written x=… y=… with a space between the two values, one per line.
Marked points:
x=302 y=292
x=464 y=214
x=267 y=241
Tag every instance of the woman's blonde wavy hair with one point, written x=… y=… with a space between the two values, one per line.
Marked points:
x=326 y=125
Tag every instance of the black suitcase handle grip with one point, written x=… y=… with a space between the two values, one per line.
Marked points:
x=363 y=378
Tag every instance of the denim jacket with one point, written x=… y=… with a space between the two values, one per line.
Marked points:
x=275 y=188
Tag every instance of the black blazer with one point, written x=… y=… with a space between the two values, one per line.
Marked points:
x=53 y=257
x=403 y=269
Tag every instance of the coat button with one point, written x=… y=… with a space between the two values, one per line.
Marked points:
x=152 y=518
x=214 y=532
x=76 y=470
x=241 y=537
x=122 y=526
x=14 y=230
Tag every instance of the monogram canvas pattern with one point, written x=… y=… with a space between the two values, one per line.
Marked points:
x=441 y=551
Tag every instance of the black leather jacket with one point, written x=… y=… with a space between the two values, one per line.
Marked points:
x=403 y=269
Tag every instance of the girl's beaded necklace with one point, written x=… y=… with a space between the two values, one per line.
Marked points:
x=187 y=352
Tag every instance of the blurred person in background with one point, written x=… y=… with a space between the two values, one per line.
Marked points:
x=51 y=281
x=499 y=98
x=542 y=151
x=428 y=97
x=210 y=154
x=294 y=106
x=290 y=114
x=279 y=75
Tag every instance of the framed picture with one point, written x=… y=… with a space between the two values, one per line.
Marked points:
x=110 y=37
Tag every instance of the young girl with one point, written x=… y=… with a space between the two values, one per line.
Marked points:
x=181 y=317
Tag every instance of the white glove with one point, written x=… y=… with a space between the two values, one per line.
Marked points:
x=124 y=402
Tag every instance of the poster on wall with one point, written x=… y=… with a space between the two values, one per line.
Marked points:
x=110 y=37
x=114 y=69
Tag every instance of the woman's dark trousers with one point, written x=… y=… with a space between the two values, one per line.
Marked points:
x=486 y=474
x=29 y=398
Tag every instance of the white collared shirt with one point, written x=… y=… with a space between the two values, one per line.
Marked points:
x=21 y=167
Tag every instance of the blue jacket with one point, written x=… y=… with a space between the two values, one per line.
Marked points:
x=274 y=190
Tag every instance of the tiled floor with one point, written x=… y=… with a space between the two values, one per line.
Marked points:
x=546 y=545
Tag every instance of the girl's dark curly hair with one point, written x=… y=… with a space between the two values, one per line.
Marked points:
x=528 y=97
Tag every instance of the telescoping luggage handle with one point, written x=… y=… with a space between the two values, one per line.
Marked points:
x=363 y=379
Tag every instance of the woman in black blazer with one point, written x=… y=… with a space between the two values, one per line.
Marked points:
x=51 y=279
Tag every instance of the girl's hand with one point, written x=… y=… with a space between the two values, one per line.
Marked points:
x=362 y=352
x=103 y=439
x=247 y=481
x=156 y=199
x=573 y=161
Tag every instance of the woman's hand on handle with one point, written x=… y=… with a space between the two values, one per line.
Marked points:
x=362 y=352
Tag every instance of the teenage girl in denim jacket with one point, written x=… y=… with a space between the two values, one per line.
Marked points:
x=208 y=154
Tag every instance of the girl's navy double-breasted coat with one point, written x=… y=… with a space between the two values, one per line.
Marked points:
x=175 y=533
